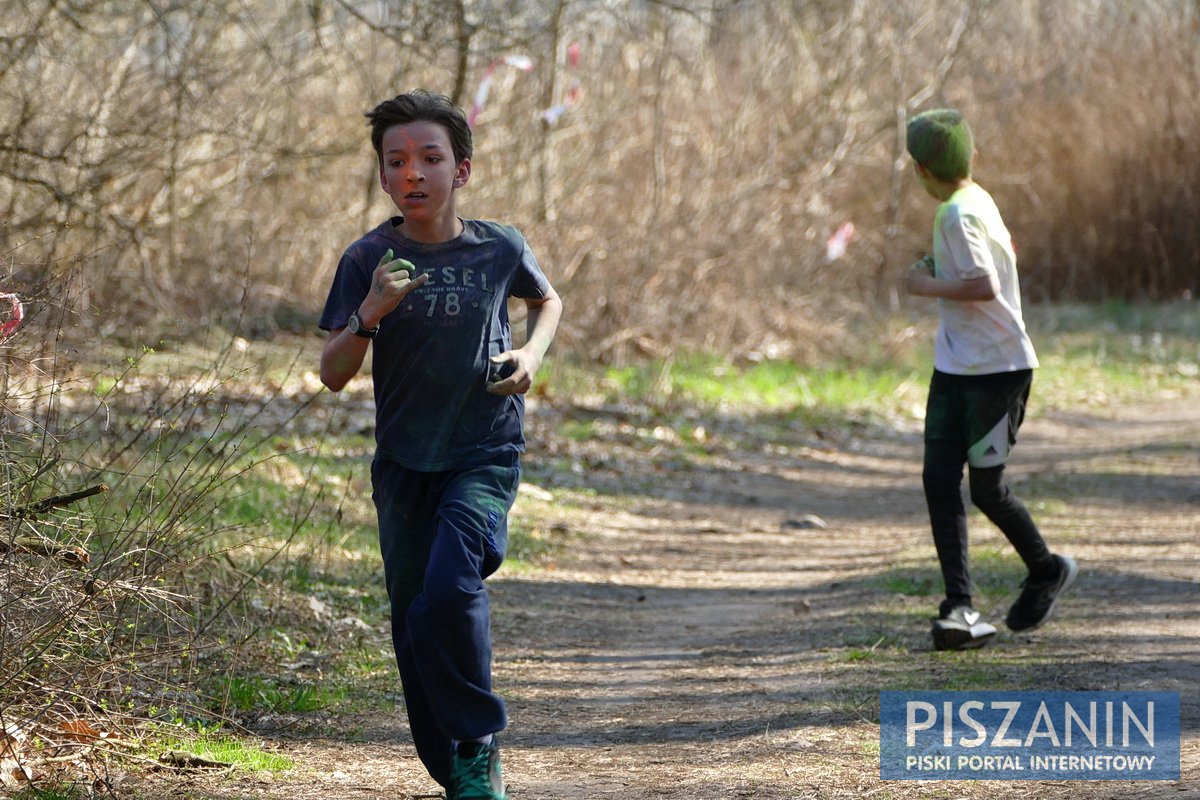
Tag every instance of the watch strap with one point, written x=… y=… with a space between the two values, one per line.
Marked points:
x=356 y=327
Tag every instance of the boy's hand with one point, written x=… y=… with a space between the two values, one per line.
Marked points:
x=918 y=276
x=392 y=281
x=512 y=372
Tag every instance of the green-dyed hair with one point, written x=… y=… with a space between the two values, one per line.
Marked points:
x=941 y=141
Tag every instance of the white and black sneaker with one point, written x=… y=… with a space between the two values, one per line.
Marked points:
x=961 y=628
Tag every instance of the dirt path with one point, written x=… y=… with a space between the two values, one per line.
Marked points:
x=697 y=640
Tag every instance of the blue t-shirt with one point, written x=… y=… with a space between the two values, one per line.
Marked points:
x=430 y=364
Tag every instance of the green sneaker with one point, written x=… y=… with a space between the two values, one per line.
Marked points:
x=475 y=772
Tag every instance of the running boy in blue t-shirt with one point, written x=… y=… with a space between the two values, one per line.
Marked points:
x=983 y=370
x=430 y=291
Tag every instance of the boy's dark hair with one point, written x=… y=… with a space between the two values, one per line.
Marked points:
x=421 y=106
x=940 y=140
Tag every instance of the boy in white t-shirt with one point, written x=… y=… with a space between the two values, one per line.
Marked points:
x=983 y=370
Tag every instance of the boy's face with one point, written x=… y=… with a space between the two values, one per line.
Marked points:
x=927 y=180
x=419 y=174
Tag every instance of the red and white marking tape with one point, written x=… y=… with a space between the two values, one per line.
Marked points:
x=836 y=246
x=551 y=115
x=523 y=63
x=554 y=113
x=16 y=313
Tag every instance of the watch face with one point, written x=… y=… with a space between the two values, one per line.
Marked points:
x=355 y=326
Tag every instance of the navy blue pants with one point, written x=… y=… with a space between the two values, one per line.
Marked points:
x=972 y=420
x=441 y=534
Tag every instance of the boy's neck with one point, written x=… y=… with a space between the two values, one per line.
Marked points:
x=431 y=233
x=944 y=190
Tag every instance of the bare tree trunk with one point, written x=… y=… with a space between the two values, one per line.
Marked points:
x=895 y=196
x=465 y=31
x=172 y=260
x=546 y=211
x=658 y=135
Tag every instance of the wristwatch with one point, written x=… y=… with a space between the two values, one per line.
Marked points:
x=354 y=325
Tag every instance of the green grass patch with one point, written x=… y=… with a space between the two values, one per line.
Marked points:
x=1115 y=352
x=879 y=634
x=904 y=668
x=1091 y=356
x=712 y=383
x=871 y=635
x=859 y=654
x=257 y=693
x=50 y=793
x=239 y=753
x=912 y=583
x=530 y=544
x=579 y=430
x=869 y=748
x=1041 y=505
x=967 y=674
x=994 y=572
x=368 y=674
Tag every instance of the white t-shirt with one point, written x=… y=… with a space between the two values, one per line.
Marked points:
x=970 y=240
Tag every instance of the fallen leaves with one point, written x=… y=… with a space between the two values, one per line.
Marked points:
x=30 y=752
x=12 y=772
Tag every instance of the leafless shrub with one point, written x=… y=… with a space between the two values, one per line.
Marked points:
x=120 y=585
x=193 y=149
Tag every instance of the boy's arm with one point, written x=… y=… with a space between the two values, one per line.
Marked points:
x=918 y=281
x=968 y=254
x=341 y=358
x=542 y=323
x=344 y=351
x=540 y=326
